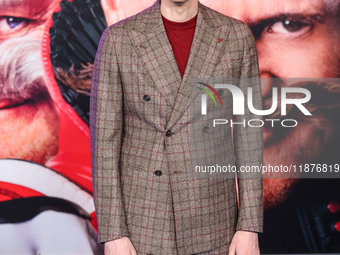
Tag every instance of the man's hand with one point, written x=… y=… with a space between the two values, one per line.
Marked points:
x=244 y=243
x=120 y=246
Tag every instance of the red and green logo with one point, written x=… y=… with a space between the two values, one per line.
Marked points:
x=209 y=93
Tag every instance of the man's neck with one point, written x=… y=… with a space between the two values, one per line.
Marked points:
x=179 y=11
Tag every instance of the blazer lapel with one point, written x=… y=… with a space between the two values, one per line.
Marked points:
x=154 y=50
x=207 y=48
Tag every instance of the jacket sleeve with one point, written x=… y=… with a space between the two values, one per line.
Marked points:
x=106 y=123
x=248 y=141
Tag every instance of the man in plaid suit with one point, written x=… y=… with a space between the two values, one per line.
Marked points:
x=147 y=200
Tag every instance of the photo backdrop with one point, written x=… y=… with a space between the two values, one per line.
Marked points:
x=47 y=50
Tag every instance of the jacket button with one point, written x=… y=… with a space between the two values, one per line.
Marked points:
x=206 y=129
x=158 y=173
x=168 y=133
x=146 y=98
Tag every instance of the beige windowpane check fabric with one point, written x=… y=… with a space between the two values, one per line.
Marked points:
x=169 y=212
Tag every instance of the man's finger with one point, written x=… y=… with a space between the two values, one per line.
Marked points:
x=232 y=250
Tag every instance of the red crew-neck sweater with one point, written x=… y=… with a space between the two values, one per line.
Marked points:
x=180 y=35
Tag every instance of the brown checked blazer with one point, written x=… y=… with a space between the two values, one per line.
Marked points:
x=140 y=137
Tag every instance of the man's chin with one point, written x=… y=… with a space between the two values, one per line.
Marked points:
x=29 y=131
x=277 y=190
x=279 y=149
x=299 y=145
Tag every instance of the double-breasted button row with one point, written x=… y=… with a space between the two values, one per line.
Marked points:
x=146 y=98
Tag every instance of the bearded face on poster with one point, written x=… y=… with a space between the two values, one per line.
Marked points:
x=34 y=200
x=29 y=120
